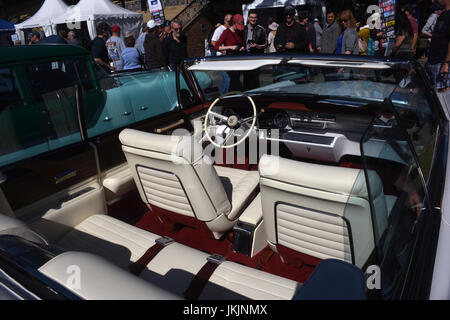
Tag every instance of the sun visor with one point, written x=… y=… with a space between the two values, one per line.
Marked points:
x=232 y=64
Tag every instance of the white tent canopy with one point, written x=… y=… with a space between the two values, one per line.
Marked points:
x=43 y=17
x=96 y=11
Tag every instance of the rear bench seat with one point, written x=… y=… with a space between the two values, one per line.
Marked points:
x=176 y=265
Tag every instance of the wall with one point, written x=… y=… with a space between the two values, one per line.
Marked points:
x=196 y=34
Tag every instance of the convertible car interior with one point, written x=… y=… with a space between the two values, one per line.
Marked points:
x=304 y=173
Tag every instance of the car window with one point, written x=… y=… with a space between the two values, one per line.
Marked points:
x=49 y=122
x=354 y=83
x=134 y=97
x=397 y=198
x=9 y=90
x=414 y=110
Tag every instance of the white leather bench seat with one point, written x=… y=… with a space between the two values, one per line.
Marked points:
x=176 y=265
x=229 y=281
x=110 y=238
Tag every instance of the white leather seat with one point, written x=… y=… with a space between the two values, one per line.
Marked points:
x=170 y=174
x=173 y=269
x=110 y=238
x=168 y=275
x=230 y=281
x=321 y=211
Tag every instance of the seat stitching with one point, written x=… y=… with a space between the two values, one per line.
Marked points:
x=115 y=223
x=228 y=281
x=115 y=233
x=254 y=277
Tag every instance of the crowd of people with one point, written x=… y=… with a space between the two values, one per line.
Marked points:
x=158 y=47
x=165 y=46
x=341 y=33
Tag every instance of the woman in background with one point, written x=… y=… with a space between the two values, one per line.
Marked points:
x=131 y=58
x=403 y=48
x=348 y=41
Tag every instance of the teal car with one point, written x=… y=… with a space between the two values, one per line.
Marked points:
x=43 y=87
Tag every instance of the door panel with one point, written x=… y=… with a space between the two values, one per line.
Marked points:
x=34 y=179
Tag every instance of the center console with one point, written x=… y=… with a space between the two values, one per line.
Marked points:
x=249 y=236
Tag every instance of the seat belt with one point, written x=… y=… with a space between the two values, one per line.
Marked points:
x=202 y=277
x=137 y=267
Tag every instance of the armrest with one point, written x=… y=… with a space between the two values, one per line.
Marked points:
x=253 y=214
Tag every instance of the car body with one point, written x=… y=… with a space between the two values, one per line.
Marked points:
x=372 y=125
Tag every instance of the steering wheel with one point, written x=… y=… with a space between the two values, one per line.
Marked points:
x=231 y=123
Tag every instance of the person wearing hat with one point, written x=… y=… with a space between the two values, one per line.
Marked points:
x=230 y=43
x=154 y=55
x=115 y=46
x=273 y=27
x=291 y=36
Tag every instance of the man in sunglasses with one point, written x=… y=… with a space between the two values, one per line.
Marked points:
x=291 y=37
x=176 y=46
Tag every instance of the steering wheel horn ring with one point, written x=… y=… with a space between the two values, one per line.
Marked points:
x=232 y=122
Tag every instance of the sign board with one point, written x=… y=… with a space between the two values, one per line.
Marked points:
x=387 y=12
x=156 y=11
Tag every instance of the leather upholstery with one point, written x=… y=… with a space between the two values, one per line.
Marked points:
x=101 y=280
x=176 y=265
x=322 y=211
x=170 y=174
x=167 y=276
x=229 y=281
x=14 y=227
x=110 y=238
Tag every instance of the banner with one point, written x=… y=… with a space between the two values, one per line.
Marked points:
x=156 y=11
x=387 y=12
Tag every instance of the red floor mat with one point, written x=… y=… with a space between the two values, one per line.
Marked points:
x=129 y=209
x=157 y=222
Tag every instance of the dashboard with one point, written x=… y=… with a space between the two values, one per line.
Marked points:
x=313 y=133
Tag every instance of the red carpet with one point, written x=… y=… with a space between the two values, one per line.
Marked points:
x=194 y=234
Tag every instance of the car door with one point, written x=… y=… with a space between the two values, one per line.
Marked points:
x=45 y=157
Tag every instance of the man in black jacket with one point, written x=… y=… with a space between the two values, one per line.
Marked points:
x=154 y=55
x=255 y=42
x=176 y=46
x=291 y=37
x=255 y=37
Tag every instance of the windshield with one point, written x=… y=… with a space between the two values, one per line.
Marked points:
x=363 y=82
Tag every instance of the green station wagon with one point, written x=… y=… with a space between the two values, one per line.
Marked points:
x=61 y=115
x=41 y=88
